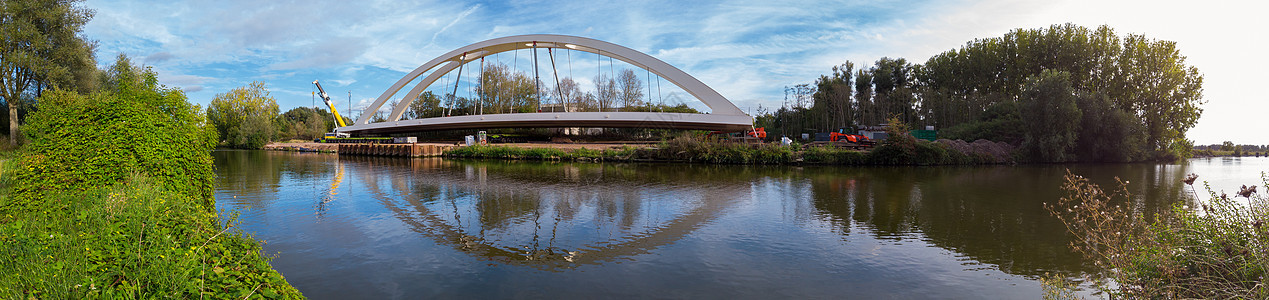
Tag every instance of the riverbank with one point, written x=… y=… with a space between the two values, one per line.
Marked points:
x=690 y=149
x=701 y=150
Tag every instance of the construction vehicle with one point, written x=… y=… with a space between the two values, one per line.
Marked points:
x=756 y=136
x=844 y=138
x=339 y=121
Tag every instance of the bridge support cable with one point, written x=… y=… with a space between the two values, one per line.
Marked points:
x=557 y=80
x=599 y=74
x=453 y=97
x=568 y=53
x=484 y=90
x=612 y=73
x=659 y=98
x=648 y=75
x=537 y=81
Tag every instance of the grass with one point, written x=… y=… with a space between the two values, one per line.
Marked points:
x=131 y=240
x=1217 y=250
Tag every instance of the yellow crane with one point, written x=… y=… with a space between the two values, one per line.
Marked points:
x=339 y=121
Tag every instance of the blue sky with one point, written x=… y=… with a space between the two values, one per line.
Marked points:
x=746 y=50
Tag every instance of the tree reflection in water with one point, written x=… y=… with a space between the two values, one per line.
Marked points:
x=536 y=216
x=991 y=215
x=595 y=212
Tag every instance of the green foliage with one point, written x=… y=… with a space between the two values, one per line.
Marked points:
x=1052 y=117
x=244 y=116
x=42 y=49
x=1227 y=146
x=1146 y=78
x=695 y=148
x=501 y=90
x=1000 y=123
x=833 y=98
x=899 y=148
x=699 y=148
x=1218 y=250
x=505 y=152
x=112 y=198
x=1107 y=134
x=134 y=239
x=81 y=142
x=303 y=123
x=680 y=108
x=426 y=105
x=956 y=91
x=834 y=156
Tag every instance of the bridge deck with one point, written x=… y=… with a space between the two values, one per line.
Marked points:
x=560 y=120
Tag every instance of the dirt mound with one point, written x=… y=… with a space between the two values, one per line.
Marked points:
x=1001 y=152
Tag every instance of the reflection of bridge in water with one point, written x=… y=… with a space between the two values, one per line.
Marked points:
x=724 y=116
x=521 y=215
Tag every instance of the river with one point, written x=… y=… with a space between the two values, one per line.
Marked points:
x=361 y=227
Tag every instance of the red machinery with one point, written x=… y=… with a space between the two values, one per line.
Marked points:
x=853 y=138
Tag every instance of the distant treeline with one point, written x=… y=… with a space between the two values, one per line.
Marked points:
x=1062 y=93
x=1230 y=149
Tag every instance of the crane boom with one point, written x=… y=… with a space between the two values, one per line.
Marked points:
x=321 y=92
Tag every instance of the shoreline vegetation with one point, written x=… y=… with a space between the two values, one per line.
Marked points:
x=898 y=150
x=1218 y=249
x=112 y=197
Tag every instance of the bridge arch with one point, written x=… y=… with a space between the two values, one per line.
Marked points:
x=722 y=109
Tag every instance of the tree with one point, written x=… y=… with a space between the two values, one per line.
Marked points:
x=892 y=84
x=1051 y=117
x=572 y=95
x=303 y=123
x=832 y=98
x=244 y=116
x=1155 y=83
x=40 y=48
x=426 y=105
x=1107 y=133
x=501 y=90
x=863 y=98
x=1144 y=77
x=630 y=89
x=605 y=92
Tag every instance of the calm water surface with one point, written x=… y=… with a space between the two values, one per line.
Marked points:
x=358 y=227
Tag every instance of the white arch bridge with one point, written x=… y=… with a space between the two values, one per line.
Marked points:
x=725 y=116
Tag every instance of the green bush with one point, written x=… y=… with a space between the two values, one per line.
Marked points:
x=931 y=153
x=135 y=239
x=834 y=156
x=112 y=198
x=899 y=148
x=1000 y=123
x=81 y=142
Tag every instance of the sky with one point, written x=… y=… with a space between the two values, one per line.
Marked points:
x=748 y=51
